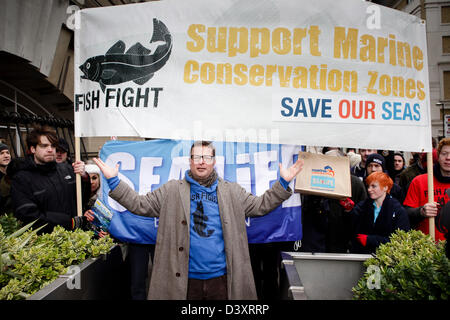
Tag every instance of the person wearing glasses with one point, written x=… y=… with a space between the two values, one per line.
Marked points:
x=201 y=248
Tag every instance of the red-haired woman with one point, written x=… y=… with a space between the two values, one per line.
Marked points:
x=377 y=217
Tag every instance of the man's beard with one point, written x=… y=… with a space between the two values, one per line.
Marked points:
x=40 y=160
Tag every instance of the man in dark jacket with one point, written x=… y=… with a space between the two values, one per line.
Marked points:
x=5 y=158
x=443 y=224
x=43 y=189
x=5 y=192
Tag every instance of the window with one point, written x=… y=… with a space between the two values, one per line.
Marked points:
x=447 y=85
x=445 y=14
x=446 y=44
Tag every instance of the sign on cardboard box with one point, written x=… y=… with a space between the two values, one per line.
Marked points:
x=323 y=175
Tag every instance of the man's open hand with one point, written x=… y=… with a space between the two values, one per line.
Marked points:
x=107 y=171
x=291 y=172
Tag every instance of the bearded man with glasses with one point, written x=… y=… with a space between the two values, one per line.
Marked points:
x=201 y=248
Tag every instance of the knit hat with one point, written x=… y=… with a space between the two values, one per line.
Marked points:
x=92 y=168
x=399 y=154
x=62 y=145
x=377 y=158
x=3 y=147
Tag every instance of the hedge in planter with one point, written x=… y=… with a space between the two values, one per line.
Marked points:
x=411 y=267
x=9 y=223
x=29 y=262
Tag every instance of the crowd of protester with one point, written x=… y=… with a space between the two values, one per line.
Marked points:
x=389 y=192
x=395 y=197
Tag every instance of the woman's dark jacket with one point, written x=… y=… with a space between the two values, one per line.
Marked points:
x=392 y=216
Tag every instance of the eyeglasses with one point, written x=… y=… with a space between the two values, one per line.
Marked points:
x=198 y=159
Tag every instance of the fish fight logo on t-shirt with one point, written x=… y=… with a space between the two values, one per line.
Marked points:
x=118 y=65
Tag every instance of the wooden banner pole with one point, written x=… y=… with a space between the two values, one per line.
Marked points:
x=430 y=192
x=78 y=178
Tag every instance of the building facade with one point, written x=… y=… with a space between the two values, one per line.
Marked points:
x=37 y=65
x=436 y=13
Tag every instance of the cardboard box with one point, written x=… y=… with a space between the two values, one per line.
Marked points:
x=322 y=175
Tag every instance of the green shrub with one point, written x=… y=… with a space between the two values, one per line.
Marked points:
x=9 y=223
x=29 y=262
x=411 y=267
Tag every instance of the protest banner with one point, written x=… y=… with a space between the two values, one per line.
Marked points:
x=345 y=73
x=147 y=165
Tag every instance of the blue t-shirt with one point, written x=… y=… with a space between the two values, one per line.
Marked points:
x=207 y=248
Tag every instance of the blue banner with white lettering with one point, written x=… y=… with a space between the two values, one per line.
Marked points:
x=147 y=165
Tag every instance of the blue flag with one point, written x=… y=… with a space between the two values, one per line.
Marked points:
x=147 y=165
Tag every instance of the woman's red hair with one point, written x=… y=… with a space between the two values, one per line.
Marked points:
x=382 y=178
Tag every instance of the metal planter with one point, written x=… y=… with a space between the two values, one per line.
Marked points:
x=94 y=279
x=320 y=276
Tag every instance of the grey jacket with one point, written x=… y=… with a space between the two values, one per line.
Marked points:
x=171 y=203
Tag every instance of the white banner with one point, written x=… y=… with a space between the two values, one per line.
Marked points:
x=342 y=73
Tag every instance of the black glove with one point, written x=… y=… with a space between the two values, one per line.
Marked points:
x=79 y=222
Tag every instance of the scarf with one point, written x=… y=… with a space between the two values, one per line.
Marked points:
x=208 y=181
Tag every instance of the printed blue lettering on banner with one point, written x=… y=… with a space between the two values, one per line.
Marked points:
x=407 y=114
x=326 y=108
x=416 y=108
x=313 y=107
x=398 y=111
x=300 y=108
x=308 y=108
x=388 y=114
x=288 y=107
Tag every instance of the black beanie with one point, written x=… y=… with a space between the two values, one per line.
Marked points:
x=62 y=145
x=3 y=147
x=377 y=158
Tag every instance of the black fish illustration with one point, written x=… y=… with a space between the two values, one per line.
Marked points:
x=200 y=220
x=138 y=64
